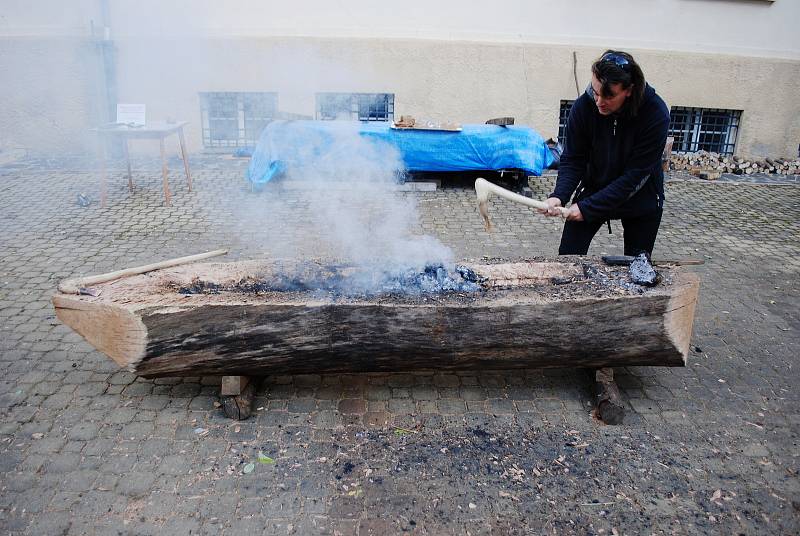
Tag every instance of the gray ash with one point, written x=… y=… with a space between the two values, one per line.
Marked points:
x=611 y=278
x=429 y=284
x=347 y=281
x=199 y=286
x=642 y=272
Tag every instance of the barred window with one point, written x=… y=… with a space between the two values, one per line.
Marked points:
x=355 y=106
x=235 y=119
x=707 y=129
x=563 y=114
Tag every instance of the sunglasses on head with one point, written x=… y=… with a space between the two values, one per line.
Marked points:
x=616 y=59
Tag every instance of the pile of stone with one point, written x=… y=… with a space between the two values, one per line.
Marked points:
x=714 y=164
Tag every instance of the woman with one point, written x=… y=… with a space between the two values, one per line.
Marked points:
x=612 y=156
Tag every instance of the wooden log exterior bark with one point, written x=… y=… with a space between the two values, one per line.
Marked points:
x=190 y=336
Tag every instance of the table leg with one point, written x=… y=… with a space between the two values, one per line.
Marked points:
x=128 y=162
x=185 y=161
x=101 y=157
x=165 y=173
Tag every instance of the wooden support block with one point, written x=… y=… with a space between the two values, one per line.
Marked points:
x=610 y=407
x=233 y=385
x=239 y=406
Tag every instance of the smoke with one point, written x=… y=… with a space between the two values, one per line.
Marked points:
x=347 y=206
x=363 y=216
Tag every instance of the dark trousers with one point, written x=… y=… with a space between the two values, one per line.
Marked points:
x=639 y=234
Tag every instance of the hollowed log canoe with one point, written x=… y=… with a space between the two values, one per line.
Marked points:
x=532 y=313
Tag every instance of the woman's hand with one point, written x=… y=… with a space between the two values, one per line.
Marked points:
x=552 y=207
x=574 y=213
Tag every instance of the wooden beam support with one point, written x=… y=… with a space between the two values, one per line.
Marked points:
x=237 y=406
x=233 y=385
x=610 y=407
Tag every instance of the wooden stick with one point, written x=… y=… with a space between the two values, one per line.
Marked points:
x=74 y=286
x=183 y=155
x=678 y=262
x=101 y=153
x=626 y=260
x=165 y=173
x=484 y=189
x=127 y=162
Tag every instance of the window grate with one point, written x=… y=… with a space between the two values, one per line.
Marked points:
x=707 y=129
x=563 y=114
x=355 y=106
x=235 y=119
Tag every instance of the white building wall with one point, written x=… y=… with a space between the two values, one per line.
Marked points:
x=449 y=60
x=737 y=27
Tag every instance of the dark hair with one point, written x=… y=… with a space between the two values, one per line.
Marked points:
x=617 y=67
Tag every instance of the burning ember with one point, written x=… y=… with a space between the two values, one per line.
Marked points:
x=349 y=281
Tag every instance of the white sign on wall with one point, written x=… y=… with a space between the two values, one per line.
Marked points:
x=131 y=114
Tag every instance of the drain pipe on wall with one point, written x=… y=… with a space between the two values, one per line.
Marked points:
x=107 y=74
x=105 y=111
x=106 y=45
x=575 y=73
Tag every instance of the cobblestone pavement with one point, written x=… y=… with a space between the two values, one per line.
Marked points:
x=88 y=449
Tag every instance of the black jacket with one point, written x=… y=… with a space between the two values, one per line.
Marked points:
x=614 y=161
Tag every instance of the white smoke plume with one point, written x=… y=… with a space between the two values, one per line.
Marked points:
x=338 y=201
x=353 y=201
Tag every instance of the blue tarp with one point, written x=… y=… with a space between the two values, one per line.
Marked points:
x=284 y=145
